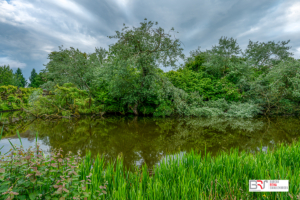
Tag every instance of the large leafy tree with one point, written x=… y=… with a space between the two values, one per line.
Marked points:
x=73 y=66
x=267 y=54
x=196 y=61
x=20 y=81
x=220 y=57
x=7 y=75
x=135 y=60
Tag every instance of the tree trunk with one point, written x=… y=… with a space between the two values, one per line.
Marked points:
x=134 y=109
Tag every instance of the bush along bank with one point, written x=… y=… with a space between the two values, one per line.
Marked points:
x=65 y=101
x=31 y=175
x=14 y=98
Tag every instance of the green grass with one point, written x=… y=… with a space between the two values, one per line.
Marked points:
x=193 y=176
x=188 y=176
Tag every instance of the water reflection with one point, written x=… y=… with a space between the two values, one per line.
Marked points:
x=146 y=140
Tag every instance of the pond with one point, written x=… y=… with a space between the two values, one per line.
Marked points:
x=147 y=139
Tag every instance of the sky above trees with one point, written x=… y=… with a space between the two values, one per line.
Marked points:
x=31 y=29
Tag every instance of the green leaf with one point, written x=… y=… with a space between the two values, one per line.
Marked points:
x=22 y=197
x=86 y=194
x=40 y=183
x=47 y=197
x=36 y=136
x=32 y=195
x=1 y=132
x=5 y=183
x=21 y=182
x=27 y=184
x=19 y=137
x=12 y=145
x=3 y=188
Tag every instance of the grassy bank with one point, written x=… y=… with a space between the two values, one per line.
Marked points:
x=32 y=175
x=193 y=176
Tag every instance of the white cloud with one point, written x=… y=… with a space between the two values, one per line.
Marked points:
x=51 y=23
x=122 y=3
x=297 y=53
x=251 y=31
x=73 y=7
x=12 y=63
x=15 y=12
x=48 y=49
x=293 y=18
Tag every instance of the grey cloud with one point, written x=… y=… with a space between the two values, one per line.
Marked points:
x=30 y=29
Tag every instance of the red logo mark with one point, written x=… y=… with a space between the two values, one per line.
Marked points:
x=261 y=187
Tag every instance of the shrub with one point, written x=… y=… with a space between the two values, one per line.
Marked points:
x=208 y=87
x=13 y=97
x=65 y=100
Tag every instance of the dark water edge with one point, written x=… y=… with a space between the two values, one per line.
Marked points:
x=146 y=140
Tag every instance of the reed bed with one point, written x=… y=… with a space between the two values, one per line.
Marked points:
x=196 y=176
x=189 y=176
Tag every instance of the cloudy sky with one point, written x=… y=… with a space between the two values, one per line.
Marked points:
x=31 y=29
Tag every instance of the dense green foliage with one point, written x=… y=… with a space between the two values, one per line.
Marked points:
x=14 y=98
x=36 y=79
x=209 y=88
x=67 y=100
x=127 y=79
x=20 y=80
x=39 y=80
x=8 y=77
x=223 y=81
x=30 y=174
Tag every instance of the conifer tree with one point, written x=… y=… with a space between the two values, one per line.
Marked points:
x=20 y=81
x=32 y=79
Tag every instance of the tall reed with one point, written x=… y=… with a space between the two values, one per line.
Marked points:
x=196 y=176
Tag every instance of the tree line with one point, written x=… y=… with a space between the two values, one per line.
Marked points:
x=127 y=78
x=8 y=77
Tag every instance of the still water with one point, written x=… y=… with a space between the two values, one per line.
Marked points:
x=146 y=140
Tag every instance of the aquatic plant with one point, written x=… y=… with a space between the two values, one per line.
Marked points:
x=196 y=176
x=29 y=174
x=192 y=175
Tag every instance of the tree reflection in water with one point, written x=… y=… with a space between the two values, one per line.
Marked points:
x=146 y=140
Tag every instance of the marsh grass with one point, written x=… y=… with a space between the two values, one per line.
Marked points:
x=31 y=175
x=196 y=176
